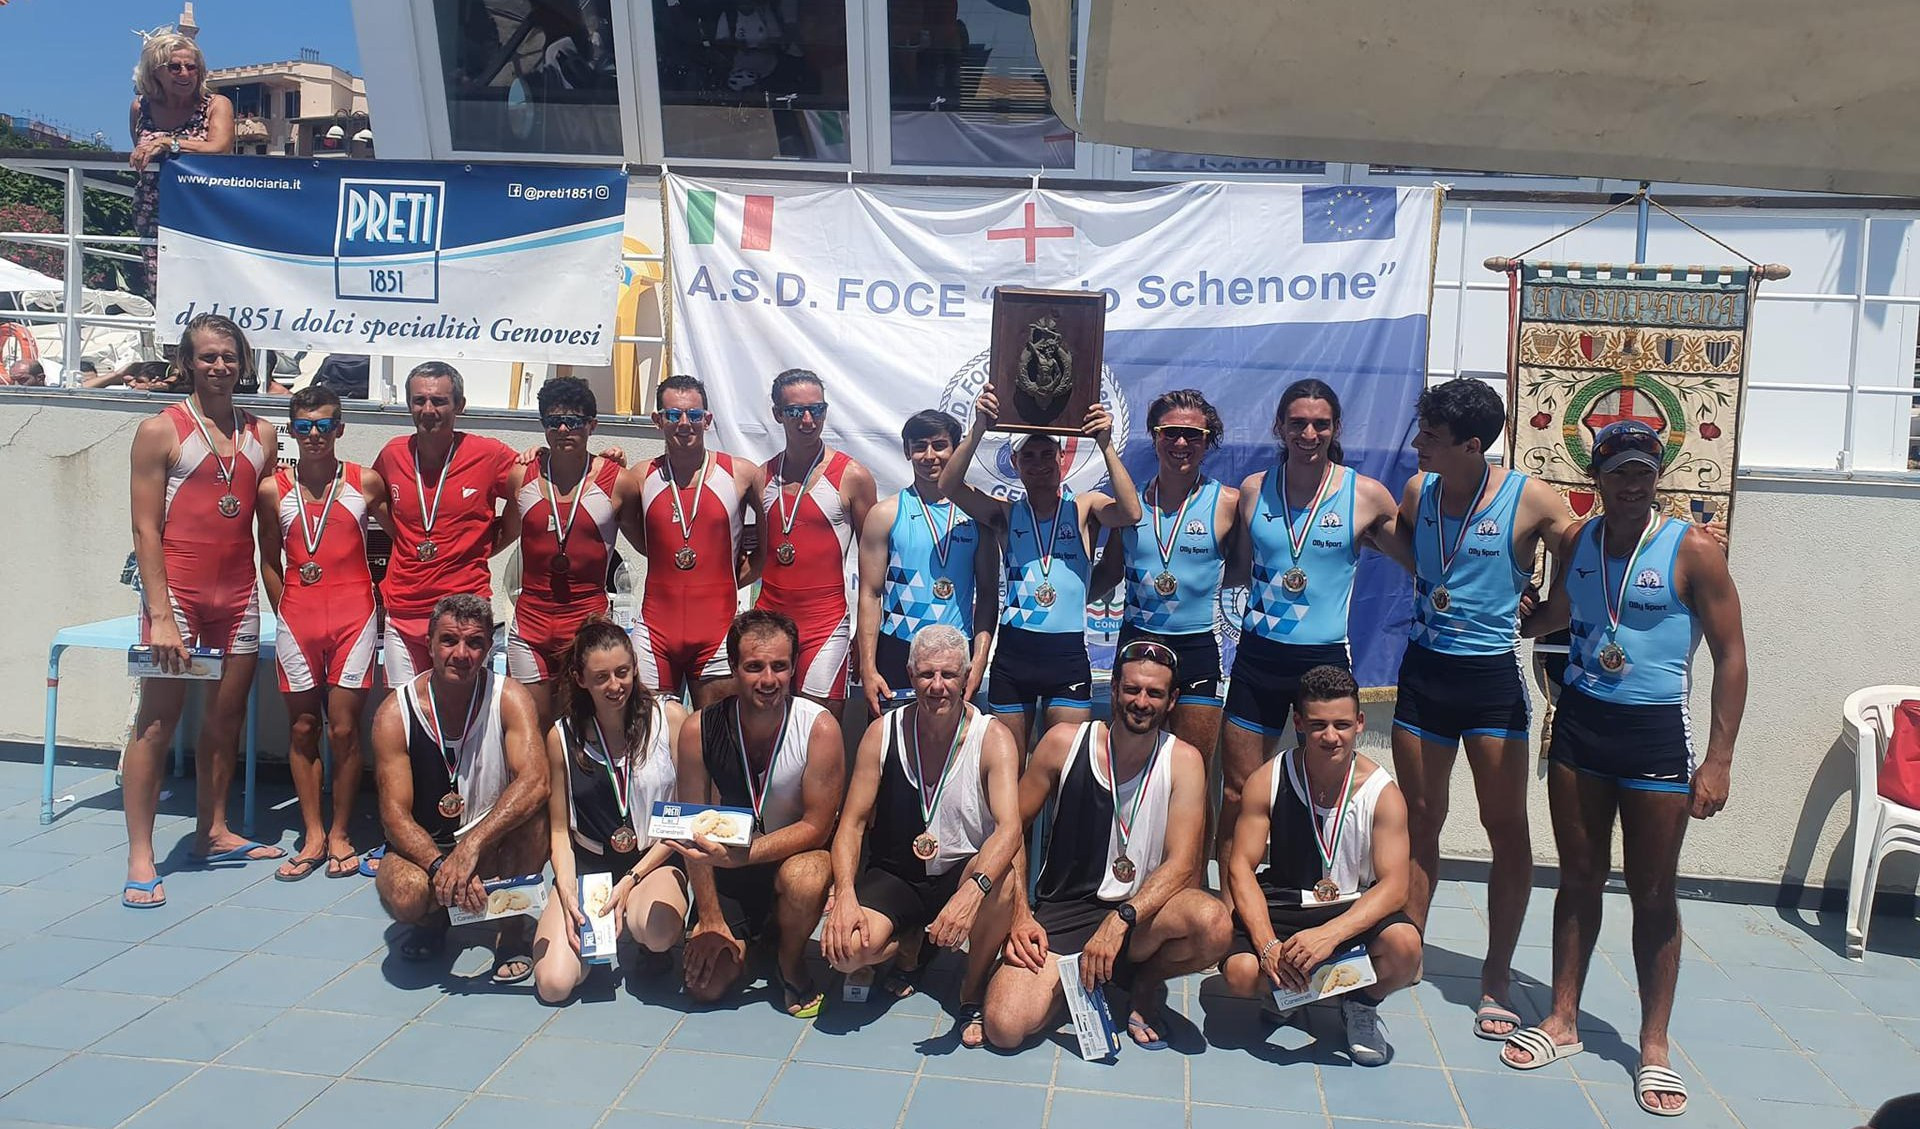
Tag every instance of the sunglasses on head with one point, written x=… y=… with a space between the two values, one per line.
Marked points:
x=1628 y=441
x=183 y=68
x=796 y=411
x=305 y=427
x=571 y=421
x=691 y=415
x=1151 y=651
x=1180 y=433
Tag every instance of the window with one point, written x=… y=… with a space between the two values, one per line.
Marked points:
x=290 y=101
x=530 y=76
x=753 y=79
x=968 y=88
x=1166 y=160
x=249 y=100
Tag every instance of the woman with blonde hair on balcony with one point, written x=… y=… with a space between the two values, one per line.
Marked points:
x=173 y=112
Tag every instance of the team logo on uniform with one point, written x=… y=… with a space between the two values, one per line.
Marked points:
x=1648 y=579
x=1331 y=521
x=1194 y=527
x=1487 y=528
x=1081 y=465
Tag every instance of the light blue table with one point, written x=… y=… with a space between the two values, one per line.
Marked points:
x=117 y=635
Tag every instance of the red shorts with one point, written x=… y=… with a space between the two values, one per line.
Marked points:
x=404 y=650
x=682 y=639
x=233 y=625
x=539 y=636
x=325 y=640
x=826 y=638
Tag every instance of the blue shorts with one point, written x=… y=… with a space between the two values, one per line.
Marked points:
x=1266 y=679
x=1446 y=697
x=1048 y=667
x=1648 y=747
x=1199 y=656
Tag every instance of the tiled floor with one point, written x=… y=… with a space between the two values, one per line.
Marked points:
x=251 y=1002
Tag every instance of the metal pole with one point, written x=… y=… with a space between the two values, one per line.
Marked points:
x=74 y=296
x=1644 y=214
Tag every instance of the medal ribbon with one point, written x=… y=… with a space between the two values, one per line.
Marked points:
x=1165 y=544
x=757 y=797
x=439 y=735
x=942 y=542
x=1329 y=845
x=429 y=516
x=562 y=529
x=788 y=514
x=621 y=797
x=928 y=807
x=1053 y=530
x=310 y=532
x=1125 y=823
x=1616 y=596
x=1297 y=542
x=1460 y=536
x=682 y=518
x=206 y=436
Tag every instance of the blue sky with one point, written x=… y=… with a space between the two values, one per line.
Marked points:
x=71 y=61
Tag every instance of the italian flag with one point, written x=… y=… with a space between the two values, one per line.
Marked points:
x=709 y=213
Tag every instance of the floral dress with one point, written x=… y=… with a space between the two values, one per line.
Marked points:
x=146 y=191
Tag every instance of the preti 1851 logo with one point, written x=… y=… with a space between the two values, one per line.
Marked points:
x=386 y=240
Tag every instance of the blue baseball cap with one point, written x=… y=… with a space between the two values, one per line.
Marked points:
x=1627 y=441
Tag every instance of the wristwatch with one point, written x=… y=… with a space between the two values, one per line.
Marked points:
x=982 y=881
x=433 y=867
x=1127 y=916
x=173 y=145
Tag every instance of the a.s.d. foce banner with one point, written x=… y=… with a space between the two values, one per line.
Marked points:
x=416 y=258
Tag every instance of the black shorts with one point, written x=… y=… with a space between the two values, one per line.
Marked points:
x=1266 y=678
x=1288 y=918
x=1649 y=747
x=1045 y=666
x=747 y=899
x=1071 y=924
x=1446 y=697
x=910 y=903
x=1199 y=657
x=890 y=657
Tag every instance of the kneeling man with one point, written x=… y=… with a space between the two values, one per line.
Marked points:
x=1320 y=863
x=1120 y=870
x=935 y=801
x=463 y=787
x=781 y=756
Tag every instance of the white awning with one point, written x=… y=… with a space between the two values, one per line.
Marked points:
x=1755 y=93
x=13 y=277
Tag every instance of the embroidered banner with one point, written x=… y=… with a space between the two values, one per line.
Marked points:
x=1666 y=345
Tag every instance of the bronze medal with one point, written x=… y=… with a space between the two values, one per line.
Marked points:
x=623 y=840
x=1044 y=595
x=1294 y=580
x=310 y=573
x=451 y=805
x=229 y=505
x=560 y=565
x=1123 y=868
x=943 y=589
x=1325 y=890
x=1166 y=584
x=685 y=558
x=925 y=846
x=1440 y=598
x=1613 y=658
x=426 y=550
x=784 y=554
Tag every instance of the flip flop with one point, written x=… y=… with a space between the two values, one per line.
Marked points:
x=301 y=868
x=241 y=853
x=1659 y=1080
x=970 y=1016
x=1491 y=1011
x=345 y=870
x=802 y=1003
x=146 y=887
x=514 y=947
x=903 y=982
x=423 y=943
x=1541 y=1046
x=367 y=861
x=1138 y=1025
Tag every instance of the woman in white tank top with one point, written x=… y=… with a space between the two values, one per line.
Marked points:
x=611 y=759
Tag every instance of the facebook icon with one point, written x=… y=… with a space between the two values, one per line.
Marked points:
x=1346 y=212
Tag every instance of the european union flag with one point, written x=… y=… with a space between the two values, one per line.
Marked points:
x=1346 y=212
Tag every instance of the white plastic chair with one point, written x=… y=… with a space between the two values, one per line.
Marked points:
x=1880 y=826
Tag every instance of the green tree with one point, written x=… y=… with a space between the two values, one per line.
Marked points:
x=32 y=203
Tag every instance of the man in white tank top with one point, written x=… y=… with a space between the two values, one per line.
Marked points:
x=463 y=785
x=1320 y=865
x=1120 y=872
x=935 y=806
x=783 y=756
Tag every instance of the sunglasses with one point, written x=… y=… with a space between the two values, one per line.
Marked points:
x=571 y=422
x=184 y=68
x=691 y=415
x=1302 y=426
x=796 y=411
x=306 y=427
x=1631 y=441
x=1151 y=651
x=1177 y=433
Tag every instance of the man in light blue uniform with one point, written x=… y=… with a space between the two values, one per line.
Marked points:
x=1041 y=656
x=1301 y=528
x=1640 y=590
x=921 y=563
x=1471 y=530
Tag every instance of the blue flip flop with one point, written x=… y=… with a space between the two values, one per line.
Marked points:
x=367 y=869
x=146 y=887
x=1138 y=1025
x=241 y=853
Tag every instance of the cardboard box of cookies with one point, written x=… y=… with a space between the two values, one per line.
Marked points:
x=1341 y=972
x=731 y=827
x=506 y=897
x=204 y=664
x=1092 y=1020
x=600 y=934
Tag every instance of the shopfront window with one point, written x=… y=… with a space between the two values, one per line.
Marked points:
x=968 y=89
x=533 y=76
x=753 y=79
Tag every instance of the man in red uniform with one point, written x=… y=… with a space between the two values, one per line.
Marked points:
x=313 y=561
x=816 y=502
x=569 y=503
x=685 y=514
x=443 y=485
x=192 y=465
